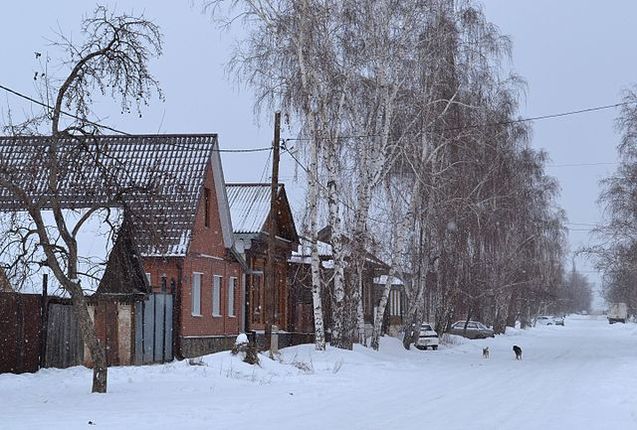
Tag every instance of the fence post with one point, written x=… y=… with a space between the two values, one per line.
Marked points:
x=44 y=320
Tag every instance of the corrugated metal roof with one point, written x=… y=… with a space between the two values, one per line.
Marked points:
x=249 y=206
x=162 y=173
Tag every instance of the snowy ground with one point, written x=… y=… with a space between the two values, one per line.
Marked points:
x=581 y=376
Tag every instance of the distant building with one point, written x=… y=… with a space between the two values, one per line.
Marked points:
x=374 y=280
x=251 y=215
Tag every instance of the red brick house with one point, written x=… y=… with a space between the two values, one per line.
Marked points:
x=171 y=190
x=202 y=265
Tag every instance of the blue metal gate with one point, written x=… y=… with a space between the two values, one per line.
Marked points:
x=154 y=329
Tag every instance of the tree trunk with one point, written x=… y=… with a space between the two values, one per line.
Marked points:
x=96 y=349
x=360 y=315
x=312 y=202
x=340 y=335
x=399 y=236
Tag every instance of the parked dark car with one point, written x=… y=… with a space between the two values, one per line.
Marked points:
x=475 y=330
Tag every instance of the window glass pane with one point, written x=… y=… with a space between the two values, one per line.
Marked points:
x=196 y=293
x=231 y=289
x=216 y=295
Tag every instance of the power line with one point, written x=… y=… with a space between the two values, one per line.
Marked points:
x=316 y=181
x=115 y=130
x=44 y=105
x=493 y=124
x=610 y=163
x=555 y=115
x=242 y=150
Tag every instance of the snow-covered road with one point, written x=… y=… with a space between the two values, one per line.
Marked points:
x=581 y=376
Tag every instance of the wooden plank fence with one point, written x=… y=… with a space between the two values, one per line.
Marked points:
x=64 y=346
x=20 y=320
x=140 y=332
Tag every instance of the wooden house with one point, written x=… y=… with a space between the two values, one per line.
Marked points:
x=251 y=216
x=374 y=280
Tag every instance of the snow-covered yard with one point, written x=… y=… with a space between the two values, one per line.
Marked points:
x=583 y=375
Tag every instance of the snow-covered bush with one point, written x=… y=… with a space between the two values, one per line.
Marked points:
x=247 y=351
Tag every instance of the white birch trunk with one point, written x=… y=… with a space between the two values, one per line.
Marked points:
x=312 y=201
x=339 y=332
x=313 y=188
x=398 y=246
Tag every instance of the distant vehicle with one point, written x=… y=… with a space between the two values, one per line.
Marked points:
x=618 y=312
x=549 y=320
x=544 y=320
x=427 y=338
x=475 y=330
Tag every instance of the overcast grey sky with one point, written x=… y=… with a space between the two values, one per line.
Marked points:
x=573 y=54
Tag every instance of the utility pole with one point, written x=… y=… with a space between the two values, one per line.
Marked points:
x=271 y=290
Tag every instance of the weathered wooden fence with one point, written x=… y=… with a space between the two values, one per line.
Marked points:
x=139 y=332
x=20 y=321
x=64 y=346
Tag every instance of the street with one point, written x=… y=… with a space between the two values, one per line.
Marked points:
x=583 y=375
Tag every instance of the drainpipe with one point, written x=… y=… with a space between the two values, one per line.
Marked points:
x=177 y=311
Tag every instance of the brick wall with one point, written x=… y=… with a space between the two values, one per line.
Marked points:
x=207 y=255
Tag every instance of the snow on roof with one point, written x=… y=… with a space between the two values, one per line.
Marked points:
x=249 y=206
x=303 y=252
x=94 y=242
x=171 y=167
x=382 y=280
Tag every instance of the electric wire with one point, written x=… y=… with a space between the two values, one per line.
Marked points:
x=115 y=130
x=493 y=124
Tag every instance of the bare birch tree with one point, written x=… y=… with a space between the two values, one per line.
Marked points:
x=413 y=95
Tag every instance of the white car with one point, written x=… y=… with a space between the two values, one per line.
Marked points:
x=547 y=320
x=427 y=338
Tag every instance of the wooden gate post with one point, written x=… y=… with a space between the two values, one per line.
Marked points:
x=44 y=309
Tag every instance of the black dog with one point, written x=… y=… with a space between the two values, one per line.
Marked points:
x=518 y=352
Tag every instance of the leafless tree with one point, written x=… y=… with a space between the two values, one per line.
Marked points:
x=112 y=61
x=408 y=108
x=615 y=252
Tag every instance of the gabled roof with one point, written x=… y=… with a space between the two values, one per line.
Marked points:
x=162 y=174
x=250 y=208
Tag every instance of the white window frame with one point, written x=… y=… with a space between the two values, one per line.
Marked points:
x=394 y=299
x=148 y=278
x=216 y=295
x=195 y=303
x=232 y=291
